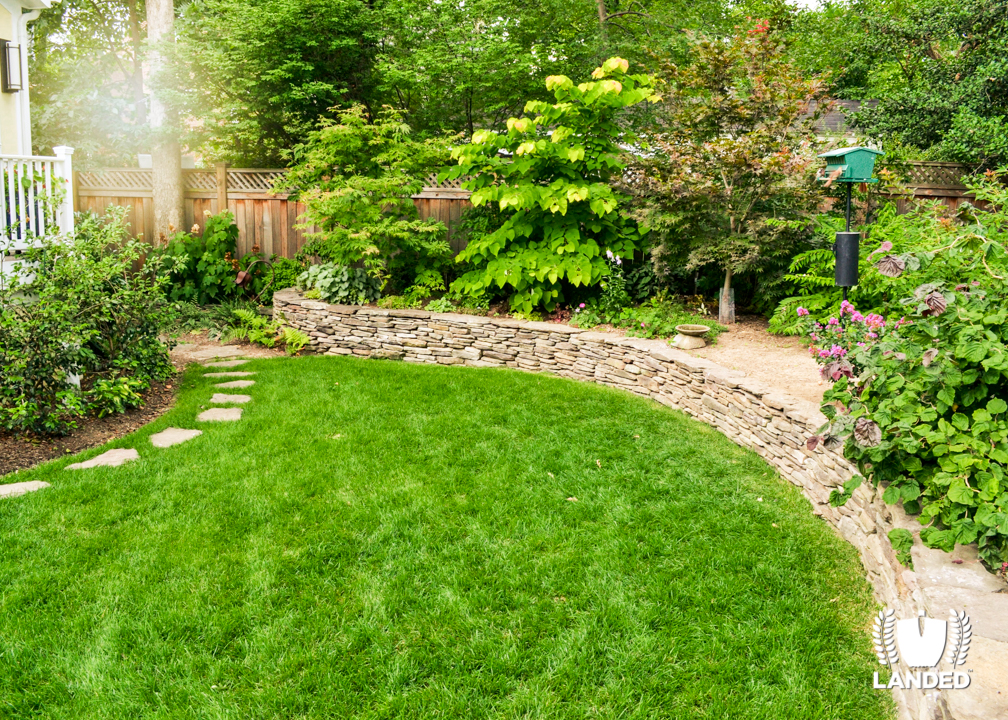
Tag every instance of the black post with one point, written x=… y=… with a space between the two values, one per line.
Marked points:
x=848 y=209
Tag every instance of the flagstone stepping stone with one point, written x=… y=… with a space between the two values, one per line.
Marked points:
x=236 y=373
x=226 y=363
x=15 y=489
x=235 y=384
x=223 y=399
x=220 y=415
x=109 y=458
x=173 y=436
x=216 y=353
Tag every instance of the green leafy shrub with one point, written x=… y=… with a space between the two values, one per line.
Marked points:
x=294 y=340
x=341 y=284
x=926 y=417
x=559 y=211
x=202 y=268
x=356 y=178
x=285 y=273
x=79 y=329
x=892 y=234
x=397 y=302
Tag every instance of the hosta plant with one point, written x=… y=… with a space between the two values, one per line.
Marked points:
x=341 y=284
x=550 y=174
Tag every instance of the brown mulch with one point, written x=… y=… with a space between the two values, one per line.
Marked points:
x=23 y=453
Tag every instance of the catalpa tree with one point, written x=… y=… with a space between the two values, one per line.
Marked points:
x=550 y=176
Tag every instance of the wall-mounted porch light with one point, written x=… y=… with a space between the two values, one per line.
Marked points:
x=10 y=67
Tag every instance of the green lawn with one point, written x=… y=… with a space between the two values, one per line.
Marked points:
x=381 y=540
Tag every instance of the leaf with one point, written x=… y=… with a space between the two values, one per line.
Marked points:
x=937 y=539
x=960 y=493
x=996 y=406
x=936 y=303
x=813 y=442
x=867 y=433
x=929 y=356
x=890 y=266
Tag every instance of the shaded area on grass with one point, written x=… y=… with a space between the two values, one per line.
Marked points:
x=379 y=539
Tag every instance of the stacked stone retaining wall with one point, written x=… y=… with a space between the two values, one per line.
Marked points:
x=772 y=424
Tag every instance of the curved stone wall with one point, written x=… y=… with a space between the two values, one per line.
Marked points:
x=765 y=420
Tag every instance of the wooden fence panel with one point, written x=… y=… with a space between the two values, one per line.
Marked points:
x=264 y=219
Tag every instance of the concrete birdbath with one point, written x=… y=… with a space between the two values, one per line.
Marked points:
x=690 y=337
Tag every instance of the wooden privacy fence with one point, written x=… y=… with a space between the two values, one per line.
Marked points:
x=939 y=181
x=269 y=220
x=264 y=219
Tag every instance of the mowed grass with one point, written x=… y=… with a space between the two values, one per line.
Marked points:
x=381 y=540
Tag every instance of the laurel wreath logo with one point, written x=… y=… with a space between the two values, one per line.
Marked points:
x=960 y=634
x=884 y=637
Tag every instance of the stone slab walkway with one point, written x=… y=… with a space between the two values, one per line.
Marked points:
x=109 y=458
x=226 y=363
x=225 y=399
x=16 y=489
x=173 y=436
x=220 y=415
x=202 y=353
x=236 y=373
x=235 y=384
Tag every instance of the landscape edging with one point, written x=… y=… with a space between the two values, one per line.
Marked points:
x=768 y=421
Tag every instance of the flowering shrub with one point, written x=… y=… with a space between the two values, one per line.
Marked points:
x=921 y=411
x=834 y=341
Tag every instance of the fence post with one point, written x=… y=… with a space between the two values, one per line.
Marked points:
x=64 y=161
x=222 y=199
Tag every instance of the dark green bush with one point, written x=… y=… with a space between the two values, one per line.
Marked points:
x=202 y=268
x=79 y=330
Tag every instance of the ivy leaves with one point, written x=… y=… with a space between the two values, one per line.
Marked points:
x=560 y=213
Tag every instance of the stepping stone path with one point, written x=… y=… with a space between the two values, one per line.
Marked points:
x=173 y=436
x=15 y=489
x=219 y=415
x=226 y=364
x=235 y=384
x=109 y=458
x=169 y=436
x=222 y=399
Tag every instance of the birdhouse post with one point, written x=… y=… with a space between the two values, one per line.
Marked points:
x=848 y=166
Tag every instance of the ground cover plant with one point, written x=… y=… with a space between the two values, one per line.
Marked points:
x=378 y=539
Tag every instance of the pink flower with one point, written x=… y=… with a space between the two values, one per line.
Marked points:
x=872 y=336
x=824 y=353
x=581 y=306
x=861 y=344
x=642 y=324
x=834 y=321
x=802 y=312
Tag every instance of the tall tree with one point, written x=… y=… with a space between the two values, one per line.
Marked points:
x=730 y=179
x=260 y=74
x=86 y=60
x=167 y=151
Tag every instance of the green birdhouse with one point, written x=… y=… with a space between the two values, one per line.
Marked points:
x=854 y=163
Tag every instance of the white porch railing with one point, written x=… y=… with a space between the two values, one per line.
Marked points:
x=37 y=198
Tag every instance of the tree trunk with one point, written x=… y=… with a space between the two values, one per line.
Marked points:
x=166 y=155
x=726 y=308
x=602 y=17
x=139 y=101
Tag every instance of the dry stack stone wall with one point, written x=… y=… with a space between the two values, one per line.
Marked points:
x=772 y=424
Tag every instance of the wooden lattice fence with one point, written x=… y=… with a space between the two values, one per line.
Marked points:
x=264 y=219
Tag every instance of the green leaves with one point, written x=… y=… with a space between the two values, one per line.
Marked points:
x=840 y=497
x=902 y=542
x=560 y=213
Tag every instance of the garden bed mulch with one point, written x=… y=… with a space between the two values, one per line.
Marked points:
x=23 y=453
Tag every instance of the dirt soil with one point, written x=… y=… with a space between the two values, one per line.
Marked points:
x=26 y=452
x=779 y=361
